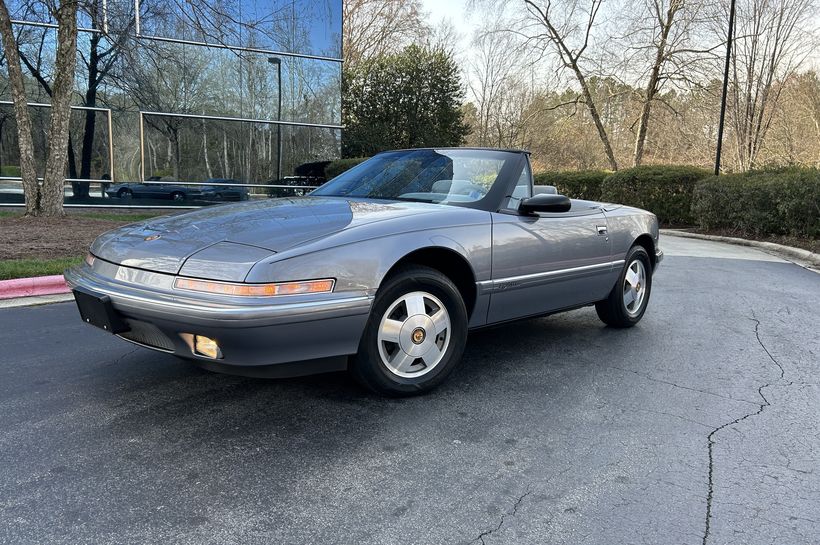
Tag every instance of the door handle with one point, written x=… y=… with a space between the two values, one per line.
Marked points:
x=602 y=230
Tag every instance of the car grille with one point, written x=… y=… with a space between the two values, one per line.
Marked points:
x=148 y=335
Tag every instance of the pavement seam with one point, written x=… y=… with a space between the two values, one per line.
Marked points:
x=710 y=438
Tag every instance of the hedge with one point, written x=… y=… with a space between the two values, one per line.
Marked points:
x=577 y=184
x=340 y=165
x=665 y=191
x=759 y=203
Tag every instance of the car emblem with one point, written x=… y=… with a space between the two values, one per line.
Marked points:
x=149 y=238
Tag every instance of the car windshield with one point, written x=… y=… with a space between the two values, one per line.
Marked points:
x=448 y=176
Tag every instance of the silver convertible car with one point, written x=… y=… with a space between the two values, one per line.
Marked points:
x=381 y=271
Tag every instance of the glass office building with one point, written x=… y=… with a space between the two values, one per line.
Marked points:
x=184 y=102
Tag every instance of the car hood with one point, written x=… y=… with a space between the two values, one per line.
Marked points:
x=223 y=242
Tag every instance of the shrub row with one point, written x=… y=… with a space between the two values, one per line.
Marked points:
x=778 y=202
x=666 y=191
x=758 y=203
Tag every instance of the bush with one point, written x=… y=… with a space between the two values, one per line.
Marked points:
x=340 y=165
x=761 y=203
x=666 y=191
x=576 y=184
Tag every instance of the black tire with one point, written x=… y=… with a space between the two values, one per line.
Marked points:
x=125 y=193
x=368 y=366
x=613 y=310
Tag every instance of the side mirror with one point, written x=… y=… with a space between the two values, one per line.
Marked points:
x=545 y=202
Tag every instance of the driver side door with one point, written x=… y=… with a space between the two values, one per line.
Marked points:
x=544 y=262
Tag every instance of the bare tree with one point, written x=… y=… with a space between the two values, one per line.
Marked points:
x=376 y=27
x=771 y=42
x=31 y=188
x=663 y=20
x=489 y=71
x=44 y=199
x=569 y=33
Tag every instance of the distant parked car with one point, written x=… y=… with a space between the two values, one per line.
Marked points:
x=219 y=192
x=303 y=186
x=161 y=190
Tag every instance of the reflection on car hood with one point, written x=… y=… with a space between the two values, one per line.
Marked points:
x=274 y=225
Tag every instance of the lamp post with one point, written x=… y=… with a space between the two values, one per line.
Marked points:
x=725 y=86
x=278 y=62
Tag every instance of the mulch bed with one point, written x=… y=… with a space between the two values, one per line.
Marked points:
x=50 y=238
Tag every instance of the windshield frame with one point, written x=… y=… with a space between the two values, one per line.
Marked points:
x=514 y=163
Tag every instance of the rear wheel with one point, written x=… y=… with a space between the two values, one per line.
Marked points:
x=415 y=335
x=178 y=196
x=626 y=303
x=124 y=193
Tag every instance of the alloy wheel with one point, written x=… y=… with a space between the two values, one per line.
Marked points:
x=634 y=287
x=414 y=334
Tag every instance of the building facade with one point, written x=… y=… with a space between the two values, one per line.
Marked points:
x=177 y=97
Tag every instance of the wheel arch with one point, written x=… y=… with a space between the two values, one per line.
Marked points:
x=645 y=240
x=448 y=262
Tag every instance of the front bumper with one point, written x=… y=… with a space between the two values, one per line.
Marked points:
x=250 y=331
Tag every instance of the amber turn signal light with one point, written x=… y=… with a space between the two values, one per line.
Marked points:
x=255 y=290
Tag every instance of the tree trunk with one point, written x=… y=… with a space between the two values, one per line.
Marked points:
x=90 y=101
x=596 y=118
x=205 y=150
x=225 y=151
x=652 y=84
x=51 y=202
x=28 y=174
x=173 y=139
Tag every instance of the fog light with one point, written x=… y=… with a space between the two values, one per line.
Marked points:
x=204 y=346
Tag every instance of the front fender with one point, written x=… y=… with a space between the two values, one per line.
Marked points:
x=360 y=267
x=625 y=225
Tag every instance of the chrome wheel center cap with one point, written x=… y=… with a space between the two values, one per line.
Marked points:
x=418 y=335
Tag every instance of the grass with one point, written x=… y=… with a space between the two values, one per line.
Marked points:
x=23 y=268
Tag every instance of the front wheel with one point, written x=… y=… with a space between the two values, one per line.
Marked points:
x=415 y=335
x=626 y=303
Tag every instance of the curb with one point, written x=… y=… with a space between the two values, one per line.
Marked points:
x=804 y=257
x=35 y=286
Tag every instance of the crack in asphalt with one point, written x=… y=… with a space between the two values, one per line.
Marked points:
x=766 y=403
x=674 y=385
x=504 y=516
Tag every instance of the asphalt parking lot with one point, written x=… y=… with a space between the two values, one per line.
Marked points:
x=698 y=426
